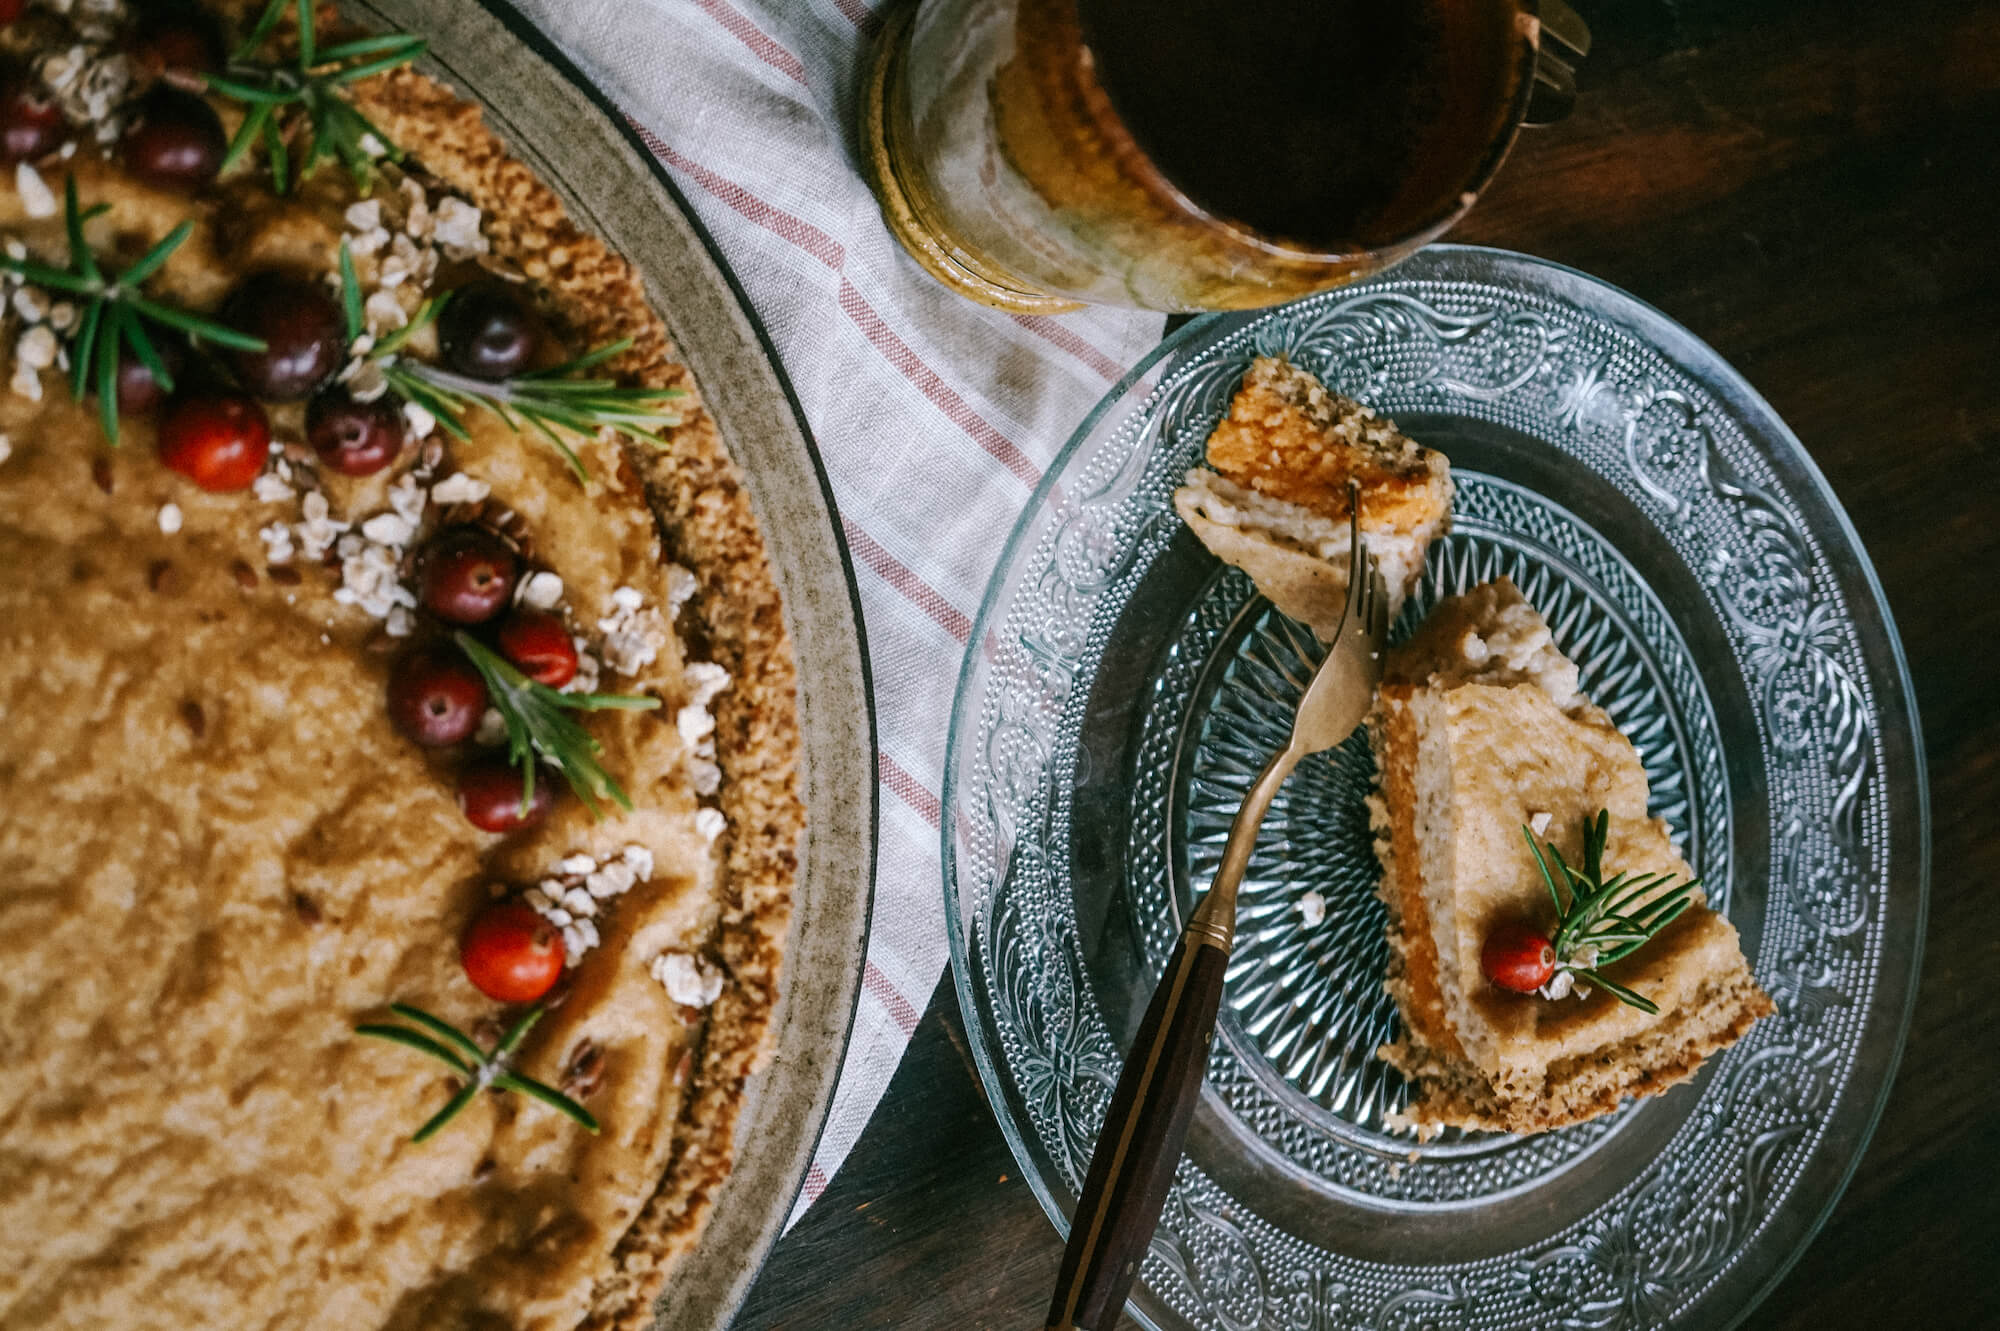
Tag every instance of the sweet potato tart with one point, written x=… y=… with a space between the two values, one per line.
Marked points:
x=387 y=499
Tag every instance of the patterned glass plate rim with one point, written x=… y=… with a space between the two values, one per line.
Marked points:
x=1719 y=1186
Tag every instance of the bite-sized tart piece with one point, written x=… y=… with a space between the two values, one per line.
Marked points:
x=397 y=805
x=1495 y=772
x=1273 y=500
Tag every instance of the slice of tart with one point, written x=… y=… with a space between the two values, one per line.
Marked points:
x=267 y=639
x=1493 y=764
x=1276 y=506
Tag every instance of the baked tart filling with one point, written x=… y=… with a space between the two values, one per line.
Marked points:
x=397 y=819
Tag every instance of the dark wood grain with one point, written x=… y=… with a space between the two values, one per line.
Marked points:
x=1814 y=189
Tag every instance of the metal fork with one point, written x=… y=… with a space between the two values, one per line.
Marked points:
x=1147 y=1123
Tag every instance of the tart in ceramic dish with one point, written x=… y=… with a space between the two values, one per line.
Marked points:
x=397 y=730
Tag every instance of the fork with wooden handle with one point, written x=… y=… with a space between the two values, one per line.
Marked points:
x=1147 y=1122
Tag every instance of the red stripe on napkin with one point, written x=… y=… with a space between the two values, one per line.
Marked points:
x=898 y=575
x=898 y=1007
x=908 y=789
x=761 y=46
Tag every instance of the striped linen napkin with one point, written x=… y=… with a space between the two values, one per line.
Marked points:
x=935 y=416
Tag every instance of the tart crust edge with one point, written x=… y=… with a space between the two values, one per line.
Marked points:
x=697 y=494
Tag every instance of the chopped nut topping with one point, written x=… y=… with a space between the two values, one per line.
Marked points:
x=459 y=488
x=420 y=421
x=584 y=1071
x=705 y=680
x=541 y=590
x=681 y=587
x=277 y=538
x=633 y=634
x=37 y=199
x=271 y=488
x=690 y=981
x=492 y=732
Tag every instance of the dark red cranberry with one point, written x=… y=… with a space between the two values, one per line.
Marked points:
x=1518 y=957
x=175 y=142
x=354 y=438
x=489 y=794
x=511 y=954
x=11 y=10
x=138 y=389
x=435 y=696
x=304 y=333
x=539 y=646
x=31 y=124
x=217 y=440
x=468 y=575
x=177 y=38
x=487 y=330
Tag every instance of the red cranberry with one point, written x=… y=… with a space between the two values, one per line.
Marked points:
x=487 y=331
x=138 y=389
x=468 y=576
x=489 y=794
x=1518 y=957
x=303 y=330
x=176 y=143
x=436 y=697
x=354 y=438
x=511 y=954
x=177 y=38
x=218 y=441
x=31 y=125
x=11 y=10
x=538 y=644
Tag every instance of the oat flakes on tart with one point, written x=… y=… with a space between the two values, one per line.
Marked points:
x=218 y=856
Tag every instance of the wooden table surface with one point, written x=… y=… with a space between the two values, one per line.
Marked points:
x=1813 y=187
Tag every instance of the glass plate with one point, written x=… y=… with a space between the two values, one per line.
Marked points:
x=1124 y=687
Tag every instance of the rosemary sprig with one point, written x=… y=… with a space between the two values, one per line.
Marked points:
x=1605 y=921
x=547 y=400
x=309 y=97
x=480 y=1069
x=538 y=724
x=115 y=313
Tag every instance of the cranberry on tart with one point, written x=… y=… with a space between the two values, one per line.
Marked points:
x=397 y=814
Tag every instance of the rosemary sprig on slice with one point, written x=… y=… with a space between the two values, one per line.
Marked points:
x=1602 y=921
x=310 y=93
x=480 y=1068
x=547 y=400
x=115 y=313
x=538 y=724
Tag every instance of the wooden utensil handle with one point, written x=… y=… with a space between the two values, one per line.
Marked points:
x=1141 y=1141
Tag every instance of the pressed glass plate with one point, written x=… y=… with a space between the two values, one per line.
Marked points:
x=1124 y=688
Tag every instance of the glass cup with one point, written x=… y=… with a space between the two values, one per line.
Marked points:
x=1182 y=155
